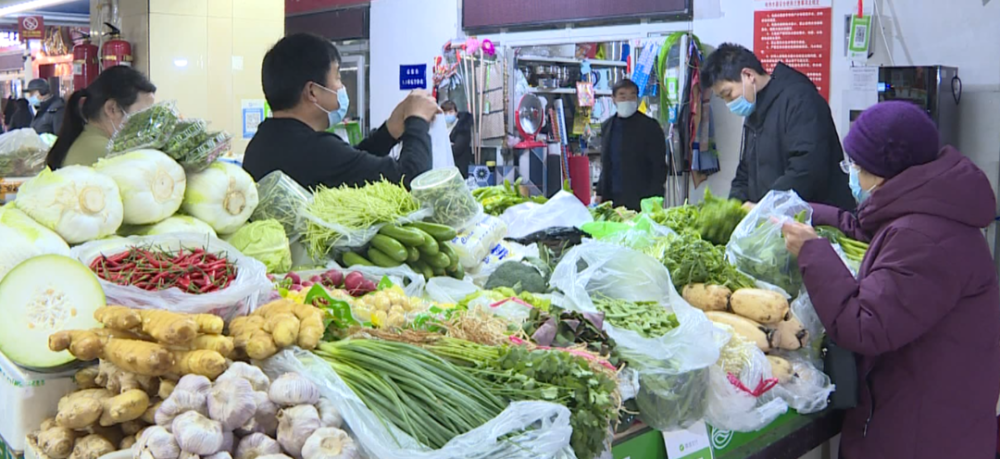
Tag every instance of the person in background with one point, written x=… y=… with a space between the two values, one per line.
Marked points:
x=49 y=108
x=789 y=140
x=633 y=152
x=8 y=112
x=21 y=115
x=923 y=313
x=96 y=112
x=301 y=79
x=460 y=133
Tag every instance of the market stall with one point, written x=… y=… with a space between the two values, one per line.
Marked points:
x=163 y=303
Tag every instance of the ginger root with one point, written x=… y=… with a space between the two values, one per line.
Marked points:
x=277 y=325
x=91 y=447
x=209 y=324
x=128 y=406
x=163 y=326
x=56 y=442
x=139 y=357
x=149 y=417
x=202 y=362
x=221 y=344
x=82 y=408
x=85 y=378
x=85 y=345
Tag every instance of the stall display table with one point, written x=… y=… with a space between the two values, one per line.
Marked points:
x=789 y=437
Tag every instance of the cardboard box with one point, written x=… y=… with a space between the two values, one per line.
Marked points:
x=26 y=399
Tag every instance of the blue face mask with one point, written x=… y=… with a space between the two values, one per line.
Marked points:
x=854 y=181
x=741 y=106
x=450 y=118
x=343 y=99
x=34 y=101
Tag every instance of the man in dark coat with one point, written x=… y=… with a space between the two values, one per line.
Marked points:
x=923 y=313
x=460 y=133
x=49 y=108
x=633 y=152
x=789 y=139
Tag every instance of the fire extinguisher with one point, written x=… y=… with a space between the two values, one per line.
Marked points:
x=116 y=51
x=86 y=63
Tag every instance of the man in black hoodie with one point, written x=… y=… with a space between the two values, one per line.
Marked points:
x=789 y=139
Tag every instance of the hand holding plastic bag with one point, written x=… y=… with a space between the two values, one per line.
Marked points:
x=525 y=430
x=672 y=367
x=757 y=247
x=248 y=290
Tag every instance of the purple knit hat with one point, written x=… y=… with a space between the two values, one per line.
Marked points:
x=890 y=137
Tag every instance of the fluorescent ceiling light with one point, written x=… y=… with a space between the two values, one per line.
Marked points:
x=29 y=6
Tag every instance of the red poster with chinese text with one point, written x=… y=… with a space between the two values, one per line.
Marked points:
x=798 y=33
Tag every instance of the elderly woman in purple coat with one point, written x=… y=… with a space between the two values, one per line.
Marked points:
x=923 y=314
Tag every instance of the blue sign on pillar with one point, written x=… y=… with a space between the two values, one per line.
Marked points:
x=413 y=76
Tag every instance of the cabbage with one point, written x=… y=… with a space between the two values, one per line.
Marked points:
x=151 y=184
x=179 y=224
x=76 y=202
x=224 y=196
x=265 y=241
x=22 y=238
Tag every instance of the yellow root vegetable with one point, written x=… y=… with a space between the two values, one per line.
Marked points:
x=82 y=408
x=221 y=344
x=92 y=447
x=311 y=331
x=790 y=335
x=166 y=388
x=139 y=357
x=128 y=406
x=85 y=345
x=56 y=442
x=762 y=306
x=284 y=329
x=261 y=345
x=707 y=297
x=118 y=318
x=169 y=327
x=781 y=369
x=130 y=428
x=209 y=324
x=209 y=364
x=85 y=378
x=746 y=328
x=149 y=417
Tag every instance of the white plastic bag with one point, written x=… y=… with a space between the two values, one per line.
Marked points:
x=446 y=290
x=672 y=368
x=22 y=153
x=503 y=251
x=809 y=389
x=740 y=393
x=250 y=288
x=525 y=430
x=564 y=209
x=757 y=247
x=441 y=154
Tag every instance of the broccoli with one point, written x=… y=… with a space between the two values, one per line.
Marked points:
x=518 y=276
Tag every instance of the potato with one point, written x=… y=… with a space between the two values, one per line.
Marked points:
x=762 y=306
x=781 y=369
x=790 y=335
x=746 y=328
x=707 y=297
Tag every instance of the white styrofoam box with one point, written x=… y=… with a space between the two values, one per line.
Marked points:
x=27 y=398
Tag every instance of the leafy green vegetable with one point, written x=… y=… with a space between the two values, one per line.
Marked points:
x=445 y=191
x=519 y=277
x=149 y=128
x=666 y=400
x=854 y=250
x=762 y=255
x=354 y=208
x=266 y=242
x=497 y=199
x=692 y=260
x=718 y=217
x=281 y=198
x=607 y=212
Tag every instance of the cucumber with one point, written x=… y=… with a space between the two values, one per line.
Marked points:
x=439 y=272
x=439 y=232
x=457 y=273
x=391 y=247
x=412 y=254
x=448 y=249
x=421 y=268
x=430 y=245
x=381 y=259
x=353 y=259
x=404 y=235
x=439 y=261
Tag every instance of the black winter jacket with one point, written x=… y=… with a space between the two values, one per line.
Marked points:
x=644 y=160
x=50 y=114
x=791 y=143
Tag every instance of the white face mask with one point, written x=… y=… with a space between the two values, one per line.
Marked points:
x=627 y=108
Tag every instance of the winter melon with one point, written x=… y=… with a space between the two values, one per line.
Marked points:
x=41 y=296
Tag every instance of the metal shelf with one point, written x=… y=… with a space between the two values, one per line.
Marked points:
x=570 y=60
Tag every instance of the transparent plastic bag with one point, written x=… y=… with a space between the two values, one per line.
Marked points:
x=809 y=389
x=564 y=209
x=149 y=128
x=22 y=153
x=525 y=430
x=740 y=391
x=475 y=243
x=351 y=238
x=242 y=296
x=445 y=191
x=184 y=137
x=447 y=290
x=757 y=247
x=281 y=198
x=441 y=153
x=672 y=368
x=212 y=146
x=412 y=283
x=501 y=252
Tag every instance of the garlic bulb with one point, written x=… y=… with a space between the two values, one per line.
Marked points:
x=220 y=455
x=179 y=402
x=232 y=403
x=295 y=425
x=330 y=443
x=156 y=443
x=197 y=434
x=194 y=383
x=292 y=389
x=265 y=420
x=253 y=374
x=329 y=415
x=228 y=442
x=187 y=455
x=274 y=456
x=255 y=445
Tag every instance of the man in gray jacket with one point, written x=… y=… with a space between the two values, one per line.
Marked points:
x=49 y=108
